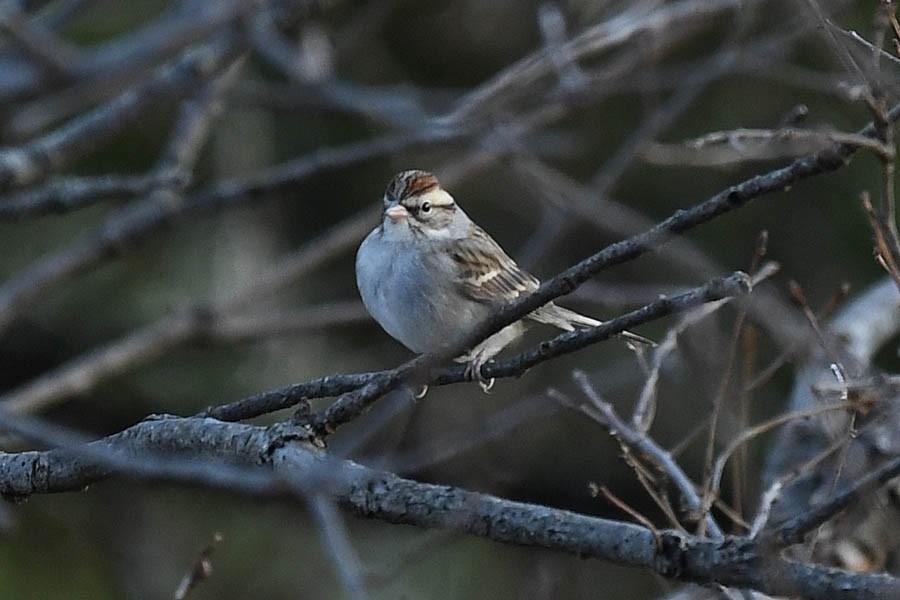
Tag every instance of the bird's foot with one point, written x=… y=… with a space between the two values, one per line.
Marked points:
x=473 y=372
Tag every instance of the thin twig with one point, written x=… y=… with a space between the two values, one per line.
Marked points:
x=721 y=148
x=793 y=531
x=887 y=244
x=623 y=506
x=718 y=403
x=645 y=407
x=337 y=543
x=32 y=162
x=86 y=371
x=603 y=413
x=773 y=492
x=799 y=299
x=763 y=376
x=200 y=571
x=715 y=479
x=64 y=194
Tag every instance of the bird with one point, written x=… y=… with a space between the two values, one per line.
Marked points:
x=428 y=275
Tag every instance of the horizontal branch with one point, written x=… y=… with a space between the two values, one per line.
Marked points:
x=735 y=562
x=280 y=462
x=64 y=194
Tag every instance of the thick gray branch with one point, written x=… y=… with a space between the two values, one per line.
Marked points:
x=281 y=462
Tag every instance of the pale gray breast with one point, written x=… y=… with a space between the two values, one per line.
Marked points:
x=412 y=295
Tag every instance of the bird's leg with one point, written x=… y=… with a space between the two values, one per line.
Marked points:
x=476 y=361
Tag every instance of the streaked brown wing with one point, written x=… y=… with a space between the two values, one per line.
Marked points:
x=485 y=273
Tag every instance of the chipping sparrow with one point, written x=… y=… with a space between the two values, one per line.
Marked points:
x=428 y=274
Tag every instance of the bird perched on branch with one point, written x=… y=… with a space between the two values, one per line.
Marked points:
x=428 y=275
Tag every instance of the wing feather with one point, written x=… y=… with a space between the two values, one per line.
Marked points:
x=485 y=273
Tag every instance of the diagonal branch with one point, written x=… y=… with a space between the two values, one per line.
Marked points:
x=83 y=372
x=614 y=254
x=352 y=404
x=189 y=133
x=32 y=162
x=603 y=412
x=125 y=229
x=793 y=531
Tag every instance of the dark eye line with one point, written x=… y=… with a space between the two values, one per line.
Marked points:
x=421 y=208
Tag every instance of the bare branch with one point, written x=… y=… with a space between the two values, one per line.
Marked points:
x=286 y=464
x=603 y=413
x=64 y=194
x=641 y=19
x=30 y=163
x=216 y=318
x=352 y=404
x=887 y=244
x=338 y=545
x=794 y=530
x=721 y=148
x=57 y=58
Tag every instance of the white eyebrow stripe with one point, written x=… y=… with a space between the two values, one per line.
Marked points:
x=438 y=198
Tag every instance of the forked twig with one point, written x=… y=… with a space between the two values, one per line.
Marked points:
x=602 y=412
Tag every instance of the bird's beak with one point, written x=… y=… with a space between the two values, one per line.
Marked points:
x=396 y=212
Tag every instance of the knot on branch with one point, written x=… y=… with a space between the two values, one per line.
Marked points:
x=831 y=159
x=281 y=435
x=732 y=559
x=670 y=556
x=737 y=283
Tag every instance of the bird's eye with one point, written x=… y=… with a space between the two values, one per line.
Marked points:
x=426 y=207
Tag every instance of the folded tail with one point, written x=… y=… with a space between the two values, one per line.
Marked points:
x=551 y=314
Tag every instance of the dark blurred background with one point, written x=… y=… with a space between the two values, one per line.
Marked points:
x=554 y=167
